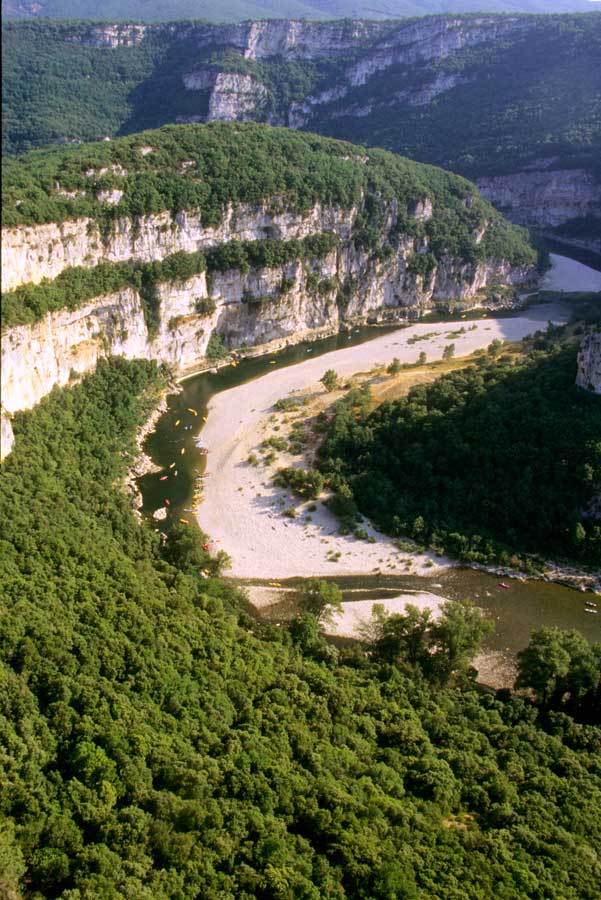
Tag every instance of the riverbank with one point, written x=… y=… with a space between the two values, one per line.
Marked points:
x=143 y=464
x=243 y=510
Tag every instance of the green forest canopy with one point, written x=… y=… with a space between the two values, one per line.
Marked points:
x=203 y=168
x=159 y=744
x=488 y=462
x=510 y=101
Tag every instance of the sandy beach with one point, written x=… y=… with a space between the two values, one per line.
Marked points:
x=355 y=614
x=242 y=509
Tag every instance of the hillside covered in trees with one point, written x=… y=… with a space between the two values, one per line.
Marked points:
x=158 y=743
x=478 y=104
x=203 y=169
x=495 y=460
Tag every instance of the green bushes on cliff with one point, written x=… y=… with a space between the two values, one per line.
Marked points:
x=204 y=169
x=159 y=743
x=269 y=253
x=201 y=168
x=76 y=286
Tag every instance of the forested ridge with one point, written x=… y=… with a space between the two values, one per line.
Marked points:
x=497 y=460
x=507 y=102
x=206 y=169
x=157 y=742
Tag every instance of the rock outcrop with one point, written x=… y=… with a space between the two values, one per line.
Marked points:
x=235 y=97
x=589 y=363
x=245 y=309
x=544 y=198
x=31 y=253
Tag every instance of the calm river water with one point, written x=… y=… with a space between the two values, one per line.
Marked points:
x=526 y=605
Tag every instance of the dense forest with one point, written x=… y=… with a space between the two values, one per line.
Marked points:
x=204 y=168
x=496 y=459
x=480 y=110
x=159 y=743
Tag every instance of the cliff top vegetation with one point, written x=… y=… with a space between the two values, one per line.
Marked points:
x=203 y=169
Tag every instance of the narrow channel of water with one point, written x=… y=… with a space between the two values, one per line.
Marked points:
x=526 y=605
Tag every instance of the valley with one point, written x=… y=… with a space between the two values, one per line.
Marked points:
x=300 y=536
x=485 y=96
x=242 y=509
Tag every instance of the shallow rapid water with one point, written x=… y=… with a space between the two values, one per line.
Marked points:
x=526 y=605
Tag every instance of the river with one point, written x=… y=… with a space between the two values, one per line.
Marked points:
x=526 y=605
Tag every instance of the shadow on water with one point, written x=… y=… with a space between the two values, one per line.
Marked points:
x=189 y=409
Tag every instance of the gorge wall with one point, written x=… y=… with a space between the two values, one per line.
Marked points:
x=490 y=97
x=589 y=363
x=241 y=309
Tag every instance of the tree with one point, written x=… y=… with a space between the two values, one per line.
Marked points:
x=449 y=351
x=330 y=380
x=395 y=366
x=322 y=599
x=402 y=636
x=494 y=348
x=422 y=358
x=544 y=661
x=457 y=637
x=560 y=667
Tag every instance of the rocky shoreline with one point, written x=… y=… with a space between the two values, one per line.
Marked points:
x=569 y=576
x=143 y=464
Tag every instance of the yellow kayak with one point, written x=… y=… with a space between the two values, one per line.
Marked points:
x=193 y=411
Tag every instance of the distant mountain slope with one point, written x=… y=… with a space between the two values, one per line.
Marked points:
x=238 y=10
x=513 y=101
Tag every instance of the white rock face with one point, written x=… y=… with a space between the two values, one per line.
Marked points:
x=550 y=197
x=110 y=198
x=235 y=98
x=250 y=309
x=589 y=363
x=30 y=254
x=306 y=40
x=429 y=40
x=111 y=36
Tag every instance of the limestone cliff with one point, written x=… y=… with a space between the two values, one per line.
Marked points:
x=244 y=309
x=589 y=363
x=32 y=253
x=545 y=198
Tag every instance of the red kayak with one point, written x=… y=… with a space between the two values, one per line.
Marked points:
x=503 y=585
